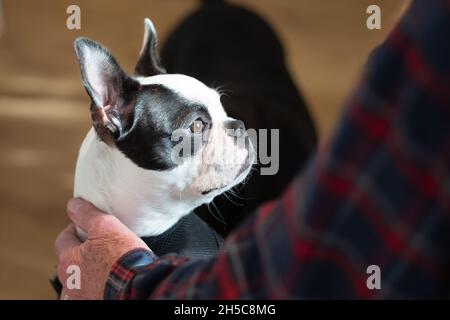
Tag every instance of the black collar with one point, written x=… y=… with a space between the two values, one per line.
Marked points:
x=190 y=236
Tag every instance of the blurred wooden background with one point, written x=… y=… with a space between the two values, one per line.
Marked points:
x=44 y=109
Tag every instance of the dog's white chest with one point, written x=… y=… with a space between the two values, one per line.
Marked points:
x=111 y=182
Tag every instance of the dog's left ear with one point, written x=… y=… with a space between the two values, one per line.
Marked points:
x=149 y=62
x=110 y=88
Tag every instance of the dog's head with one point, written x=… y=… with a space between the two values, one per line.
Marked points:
x=166 y=123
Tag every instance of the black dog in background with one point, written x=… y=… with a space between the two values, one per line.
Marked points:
x=231 y=47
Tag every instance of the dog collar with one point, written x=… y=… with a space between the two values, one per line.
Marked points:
x=190 y=236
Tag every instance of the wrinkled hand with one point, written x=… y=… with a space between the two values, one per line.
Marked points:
x=107 y=240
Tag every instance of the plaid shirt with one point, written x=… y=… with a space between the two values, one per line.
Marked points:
x=377 y=194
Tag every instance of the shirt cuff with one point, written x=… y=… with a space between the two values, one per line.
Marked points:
x=123 y=271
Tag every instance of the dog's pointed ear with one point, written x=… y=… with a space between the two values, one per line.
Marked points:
x=110 y=88
x=149 y=62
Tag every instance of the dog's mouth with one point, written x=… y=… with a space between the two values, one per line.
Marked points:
x=244 y=167
x=211 y=190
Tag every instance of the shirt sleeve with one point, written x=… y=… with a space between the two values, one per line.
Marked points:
x=369 y=218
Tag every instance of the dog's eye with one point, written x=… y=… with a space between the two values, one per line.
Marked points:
x=197 y=126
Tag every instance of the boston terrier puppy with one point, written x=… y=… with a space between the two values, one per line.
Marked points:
x=127 y=166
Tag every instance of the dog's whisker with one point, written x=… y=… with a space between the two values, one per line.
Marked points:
x=212 y=213
x=226 y=196
x=246 y=179
x=235 y=192
x=222 y=90
x=221 y=219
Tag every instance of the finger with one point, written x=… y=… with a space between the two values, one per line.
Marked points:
x=82 y=213
x=67 y=294
x=66 y=240
x=64 y=296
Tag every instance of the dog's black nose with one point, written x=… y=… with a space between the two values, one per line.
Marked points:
x=235 y=128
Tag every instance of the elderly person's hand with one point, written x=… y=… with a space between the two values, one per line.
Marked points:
x=107 y=240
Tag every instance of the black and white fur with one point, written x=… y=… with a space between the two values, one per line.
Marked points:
x=125 y=167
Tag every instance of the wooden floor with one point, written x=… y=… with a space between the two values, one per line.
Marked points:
x=44 y=110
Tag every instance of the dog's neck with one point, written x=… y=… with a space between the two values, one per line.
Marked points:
x=115 y=185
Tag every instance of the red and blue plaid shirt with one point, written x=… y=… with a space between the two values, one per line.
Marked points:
x=377 y=194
